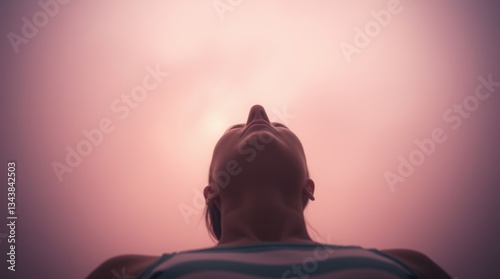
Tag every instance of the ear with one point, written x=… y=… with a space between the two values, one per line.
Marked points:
x=208 y=192
x=211 y=193
x=309 y=189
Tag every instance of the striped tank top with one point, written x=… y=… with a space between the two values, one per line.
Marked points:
x=278 y=260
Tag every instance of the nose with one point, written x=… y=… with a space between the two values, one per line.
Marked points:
x=257 y=112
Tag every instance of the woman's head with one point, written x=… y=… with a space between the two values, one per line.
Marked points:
x=252 y=160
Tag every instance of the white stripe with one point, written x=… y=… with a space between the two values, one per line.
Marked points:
x=276 y=257
x=345 y=274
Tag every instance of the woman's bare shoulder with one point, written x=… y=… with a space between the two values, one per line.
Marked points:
x=420 y=263
x=124 y=265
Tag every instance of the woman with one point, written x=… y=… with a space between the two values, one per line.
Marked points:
x=258 y=188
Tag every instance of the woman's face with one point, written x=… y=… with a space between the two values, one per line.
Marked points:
x=256 y=153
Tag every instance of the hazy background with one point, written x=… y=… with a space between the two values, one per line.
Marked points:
x=354 y=120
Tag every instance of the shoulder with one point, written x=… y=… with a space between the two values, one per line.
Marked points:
x=421 y=264
x=123 y=266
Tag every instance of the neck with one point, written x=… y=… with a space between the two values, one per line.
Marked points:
x=262 y=218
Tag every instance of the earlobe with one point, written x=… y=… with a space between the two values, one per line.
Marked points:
x=210 y=193
x=311 y=196
x=206 y=191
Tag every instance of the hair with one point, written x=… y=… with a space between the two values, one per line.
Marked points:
x=213 y=216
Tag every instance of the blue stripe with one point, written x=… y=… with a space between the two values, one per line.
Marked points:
x=147 y=271
x=378 y=252
x=270 y=246
x=277 y=271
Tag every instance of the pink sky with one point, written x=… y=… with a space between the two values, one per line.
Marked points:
x=354 y=119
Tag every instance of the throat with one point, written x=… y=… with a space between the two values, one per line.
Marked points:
x=263 y=222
